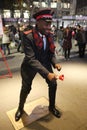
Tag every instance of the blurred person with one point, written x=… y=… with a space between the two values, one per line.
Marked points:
x=6 y=40
x=54 y=32
x=60 y=39
x=81 y=41
x=39 y=58
x=20 y=47
x=67 y=43
x=86 y=33
x=18 y=41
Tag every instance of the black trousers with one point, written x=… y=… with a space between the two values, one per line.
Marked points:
x=6 y=47
x=67 y=53
x=28 y=75
x=81 y=47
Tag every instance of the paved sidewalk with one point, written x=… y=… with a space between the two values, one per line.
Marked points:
x=71 y=97
x=13 y=61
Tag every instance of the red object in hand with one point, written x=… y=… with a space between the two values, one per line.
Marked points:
x=61 y=77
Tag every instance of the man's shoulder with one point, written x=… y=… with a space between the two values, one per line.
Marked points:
x=27 y=32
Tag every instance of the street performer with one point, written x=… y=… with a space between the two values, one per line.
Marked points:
x=39 y=58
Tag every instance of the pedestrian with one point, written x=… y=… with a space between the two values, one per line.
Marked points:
x=39 y=58
x=81 y=41
x=20 y=45
x=60 y=39
x=67 y=43
x=6 y=41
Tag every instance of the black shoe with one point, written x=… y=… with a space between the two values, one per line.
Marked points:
x=55 y=112
x=18 y=50
x=18 y=114
x=9 y=53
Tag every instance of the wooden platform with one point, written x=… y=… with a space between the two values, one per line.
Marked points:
x=33 y=111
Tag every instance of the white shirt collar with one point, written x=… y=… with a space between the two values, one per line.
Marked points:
x=41 y=35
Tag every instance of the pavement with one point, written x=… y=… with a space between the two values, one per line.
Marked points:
x=71 y=96
x=12 y=61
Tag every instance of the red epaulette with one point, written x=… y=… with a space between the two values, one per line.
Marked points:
x=27 y=32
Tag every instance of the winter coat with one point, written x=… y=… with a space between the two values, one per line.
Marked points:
x=67 y=44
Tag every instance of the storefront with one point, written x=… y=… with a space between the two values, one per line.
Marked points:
x=15 y=17
x=74 y=20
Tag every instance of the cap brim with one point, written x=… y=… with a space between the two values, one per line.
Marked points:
x=46 y=19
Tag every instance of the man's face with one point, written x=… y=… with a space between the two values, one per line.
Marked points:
x=43 y=26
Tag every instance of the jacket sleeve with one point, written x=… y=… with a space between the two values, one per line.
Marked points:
x=54 y=60
x=30 y=56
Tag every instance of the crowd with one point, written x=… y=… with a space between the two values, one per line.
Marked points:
x=70 y=35
x=12 y=36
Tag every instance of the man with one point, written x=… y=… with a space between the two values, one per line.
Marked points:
x=81 y=40
x=60 y=39
x=39 y=56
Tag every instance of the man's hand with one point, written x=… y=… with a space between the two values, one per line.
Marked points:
x=58 y=67
x=52 y=76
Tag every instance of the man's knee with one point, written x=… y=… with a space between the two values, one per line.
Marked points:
x=53 y=85
x=26 y=89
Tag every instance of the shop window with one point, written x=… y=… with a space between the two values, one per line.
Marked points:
x=17 y=14
x=7 y=13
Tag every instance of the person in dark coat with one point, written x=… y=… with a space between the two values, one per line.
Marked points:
x=67 y=43
x=39 y=58
x=81 y=41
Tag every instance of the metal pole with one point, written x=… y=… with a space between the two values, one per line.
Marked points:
x=40 y=3
x=73 y=7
